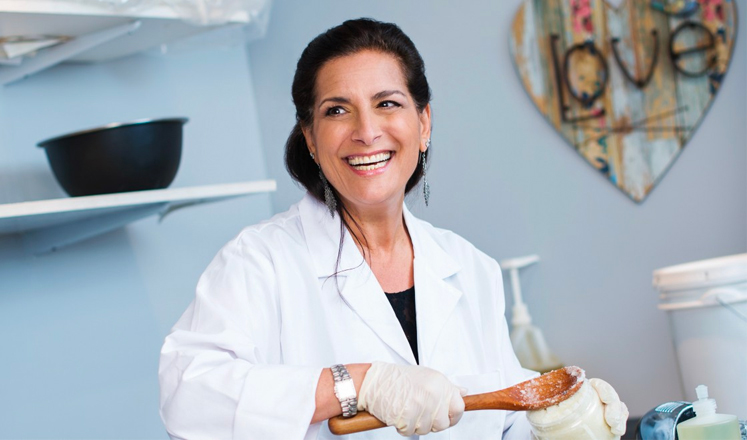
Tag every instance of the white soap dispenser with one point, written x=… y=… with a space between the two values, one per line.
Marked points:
x=528 y=341
x=707 y=425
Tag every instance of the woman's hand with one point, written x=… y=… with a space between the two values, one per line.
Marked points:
x=615 y=412
x=414 y=399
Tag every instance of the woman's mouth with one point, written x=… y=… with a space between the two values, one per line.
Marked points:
x=369 y=163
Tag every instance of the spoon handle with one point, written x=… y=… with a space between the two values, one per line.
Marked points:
x=363 y=421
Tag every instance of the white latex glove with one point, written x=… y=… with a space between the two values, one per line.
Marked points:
x=413 y=399
x=615 y=412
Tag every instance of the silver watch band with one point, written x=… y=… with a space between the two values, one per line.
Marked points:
x=345 y=390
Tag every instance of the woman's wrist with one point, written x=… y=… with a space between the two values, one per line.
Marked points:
x=358 y=373
x=327 y=404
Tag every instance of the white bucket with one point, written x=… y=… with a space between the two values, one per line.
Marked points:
x=707 y=306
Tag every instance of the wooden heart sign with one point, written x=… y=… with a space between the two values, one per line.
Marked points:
x=628 y=85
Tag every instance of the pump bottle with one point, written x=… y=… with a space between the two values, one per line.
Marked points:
x=707 y=425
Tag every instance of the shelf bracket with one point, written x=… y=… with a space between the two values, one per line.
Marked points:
x=49 y=239
x=57 y=54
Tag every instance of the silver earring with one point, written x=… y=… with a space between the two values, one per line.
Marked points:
x=329 y=196
x=426 y=188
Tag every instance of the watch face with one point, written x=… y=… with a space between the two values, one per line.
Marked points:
x=345 y=389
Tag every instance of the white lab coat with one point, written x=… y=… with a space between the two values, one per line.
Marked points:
x=244 y=360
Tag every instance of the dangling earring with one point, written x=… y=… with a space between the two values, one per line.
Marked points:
x=426 y=188
x=329 y=196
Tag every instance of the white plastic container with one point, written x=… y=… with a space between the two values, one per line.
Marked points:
x=706 y=302
x=707 y=425
x=581 y=417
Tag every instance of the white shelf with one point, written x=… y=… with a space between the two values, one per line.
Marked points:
x=97 y=33
x=47 y=225
x=66 y=7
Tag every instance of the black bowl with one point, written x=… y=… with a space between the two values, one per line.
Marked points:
x=119 y=157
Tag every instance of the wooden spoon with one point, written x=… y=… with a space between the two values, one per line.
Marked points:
x=539 y=393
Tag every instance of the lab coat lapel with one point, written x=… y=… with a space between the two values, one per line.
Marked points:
x=322 y=234
x=359 y=287
x=435 y=298
x=363 y=294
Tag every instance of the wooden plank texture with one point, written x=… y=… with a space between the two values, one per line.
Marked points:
x=629 y=114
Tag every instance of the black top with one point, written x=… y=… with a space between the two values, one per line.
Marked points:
x=403 y=304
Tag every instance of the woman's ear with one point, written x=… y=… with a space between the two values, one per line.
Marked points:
x=425 y=127
x=309 y=143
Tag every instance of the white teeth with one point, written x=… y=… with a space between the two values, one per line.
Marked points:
x=364 y=162
x=370 y=167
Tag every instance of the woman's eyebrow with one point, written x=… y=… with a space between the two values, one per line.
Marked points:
x=382 y=94
x=337 y=99
x=386 y=93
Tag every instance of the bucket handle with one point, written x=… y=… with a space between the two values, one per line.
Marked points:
x=718 y=296
x=731 y=308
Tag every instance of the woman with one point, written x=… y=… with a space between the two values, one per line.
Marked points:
x=294 y=309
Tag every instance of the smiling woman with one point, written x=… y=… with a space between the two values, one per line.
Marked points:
x=367 y=133
x=270 y=349
x=404 y=82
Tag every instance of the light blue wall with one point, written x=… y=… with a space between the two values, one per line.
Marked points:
x=81 y=329
x=506 y=181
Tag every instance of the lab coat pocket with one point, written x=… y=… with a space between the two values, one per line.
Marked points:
x=484 y=424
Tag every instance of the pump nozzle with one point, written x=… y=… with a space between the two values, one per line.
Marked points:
x=527 y=340
x=701 y=391
x=703 y=406
x=520 y=311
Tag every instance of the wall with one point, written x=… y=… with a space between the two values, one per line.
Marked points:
x=503 y=179
x=81 y=328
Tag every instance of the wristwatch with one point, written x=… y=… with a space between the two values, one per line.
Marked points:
x=345 y=390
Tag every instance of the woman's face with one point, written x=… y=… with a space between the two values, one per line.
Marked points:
x=367 y=133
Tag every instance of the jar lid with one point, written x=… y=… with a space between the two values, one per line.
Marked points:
x=704 y=273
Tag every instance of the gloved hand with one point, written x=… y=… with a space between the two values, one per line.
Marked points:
x=414 y=399
x=615 y=412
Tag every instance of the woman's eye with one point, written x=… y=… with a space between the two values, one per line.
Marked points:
x=334 y=111
x=389 y=104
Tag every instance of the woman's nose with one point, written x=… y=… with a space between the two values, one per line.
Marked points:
x=367 y=129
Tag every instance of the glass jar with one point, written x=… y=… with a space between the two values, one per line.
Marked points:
x=581 y=417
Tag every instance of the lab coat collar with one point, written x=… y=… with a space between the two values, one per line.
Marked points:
x=322 y=233
x=435 y=299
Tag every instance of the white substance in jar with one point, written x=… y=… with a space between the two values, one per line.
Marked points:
x=581 y=417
